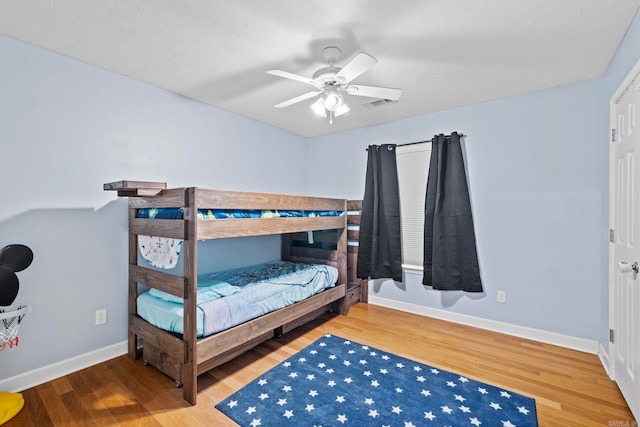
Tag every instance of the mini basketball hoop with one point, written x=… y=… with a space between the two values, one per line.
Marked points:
x=10 y=318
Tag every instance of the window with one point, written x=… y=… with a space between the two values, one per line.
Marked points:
x=413 y=170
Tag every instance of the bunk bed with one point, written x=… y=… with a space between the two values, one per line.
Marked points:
x=195 y=215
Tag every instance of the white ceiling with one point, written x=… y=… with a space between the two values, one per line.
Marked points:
x=442 y=53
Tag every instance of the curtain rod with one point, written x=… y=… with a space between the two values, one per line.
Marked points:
x=420 y=142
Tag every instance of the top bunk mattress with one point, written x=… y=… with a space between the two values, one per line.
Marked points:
x=231 y=297
x=178 y=213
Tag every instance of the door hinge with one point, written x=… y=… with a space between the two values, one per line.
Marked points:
x=611 y=336
x=612 y=234
x=613 y=135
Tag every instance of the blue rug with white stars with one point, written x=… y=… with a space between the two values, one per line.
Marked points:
x=337 y=382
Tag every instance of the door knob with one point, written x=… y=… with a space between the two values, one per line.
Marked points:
x=625 y=267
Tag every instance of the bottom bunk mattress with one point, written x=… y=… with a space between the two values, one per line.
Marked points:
x=231 y=297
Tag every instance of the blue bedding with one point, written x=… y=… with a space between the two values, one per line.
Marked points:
x=177 y=213
x=231 y=297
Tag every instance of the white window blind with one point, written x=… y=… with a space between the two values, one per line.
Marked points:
x=413 y=170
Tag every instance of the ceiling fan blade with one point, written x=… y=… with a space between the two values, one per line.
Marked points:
x=298 y=99
x=358 y=65
x=296 y=77
x=389 y=93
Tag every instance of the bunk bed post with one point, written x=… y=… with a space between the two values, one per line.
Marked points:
x=133 y=289
x=342 y=263
x=190 y=248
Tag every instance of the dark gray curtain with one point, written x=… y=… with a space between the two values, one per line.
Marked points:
x=450 y=257
x=379 y=252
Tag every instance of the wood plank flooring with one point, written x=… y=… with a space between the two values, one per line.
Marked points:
x=571 y=388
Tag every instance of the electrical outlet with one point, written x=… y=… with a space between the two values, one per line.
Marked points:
x=501 y=297
x=101 y=317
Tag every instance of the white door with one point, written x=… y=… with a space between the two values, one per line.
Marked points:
x=624 y=254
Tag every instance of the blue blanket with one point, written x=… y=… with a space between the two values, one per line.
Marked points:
x=231 y=297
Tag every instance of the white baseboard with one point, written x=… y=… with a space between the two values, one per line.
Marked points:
x=566 y=341
x=47 y=373
x=604 y=359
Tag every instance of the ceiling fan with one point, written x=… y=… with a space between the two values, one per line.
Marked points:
x=330 y=81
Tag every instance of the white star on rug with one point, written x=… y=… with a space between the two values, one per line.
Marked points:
x=282 y=402
x=421 y=379
x=311 y=377
x=331 y=383
x=309 y=407
x=429 y=415
x=288 y=413
x=342 y=418
x=262 y=381
x=233 y=404
x=348 y=380
x=464 y=409
x=375 y=383
x=459 y=398
x=367 y=373
x=369 y=401
x=313 y=393
x=398 y=390
x=373 y=413
x=263 y=396
x=256 y=422
x=507 y=424
x=482 y=390
x=474 y=421
x=286 y=388
x=523 y=410
x=446 y=409
x=505 y=394
x=495 y=406
x=250 y=410
x=340 y=399
x=425 y=392
x=396 y=409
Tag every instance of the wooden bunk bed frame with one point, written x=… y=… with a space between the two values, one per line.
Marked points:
x=184 y=358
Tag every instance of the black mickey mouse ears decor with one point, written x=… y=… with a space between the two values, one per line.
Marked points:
x=13 y=258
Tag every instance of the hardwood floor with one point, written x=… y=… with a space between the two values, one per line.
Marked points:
x=571 y=388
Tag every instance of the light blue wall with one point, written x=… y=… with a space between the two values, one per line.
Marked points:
x=65 y=129
x=534 y=173
x=538 y=175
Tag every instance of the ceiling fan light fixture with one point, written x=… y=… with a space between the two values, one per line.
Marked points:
x=333 y=101
x=344 y=109
x=319 y=108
